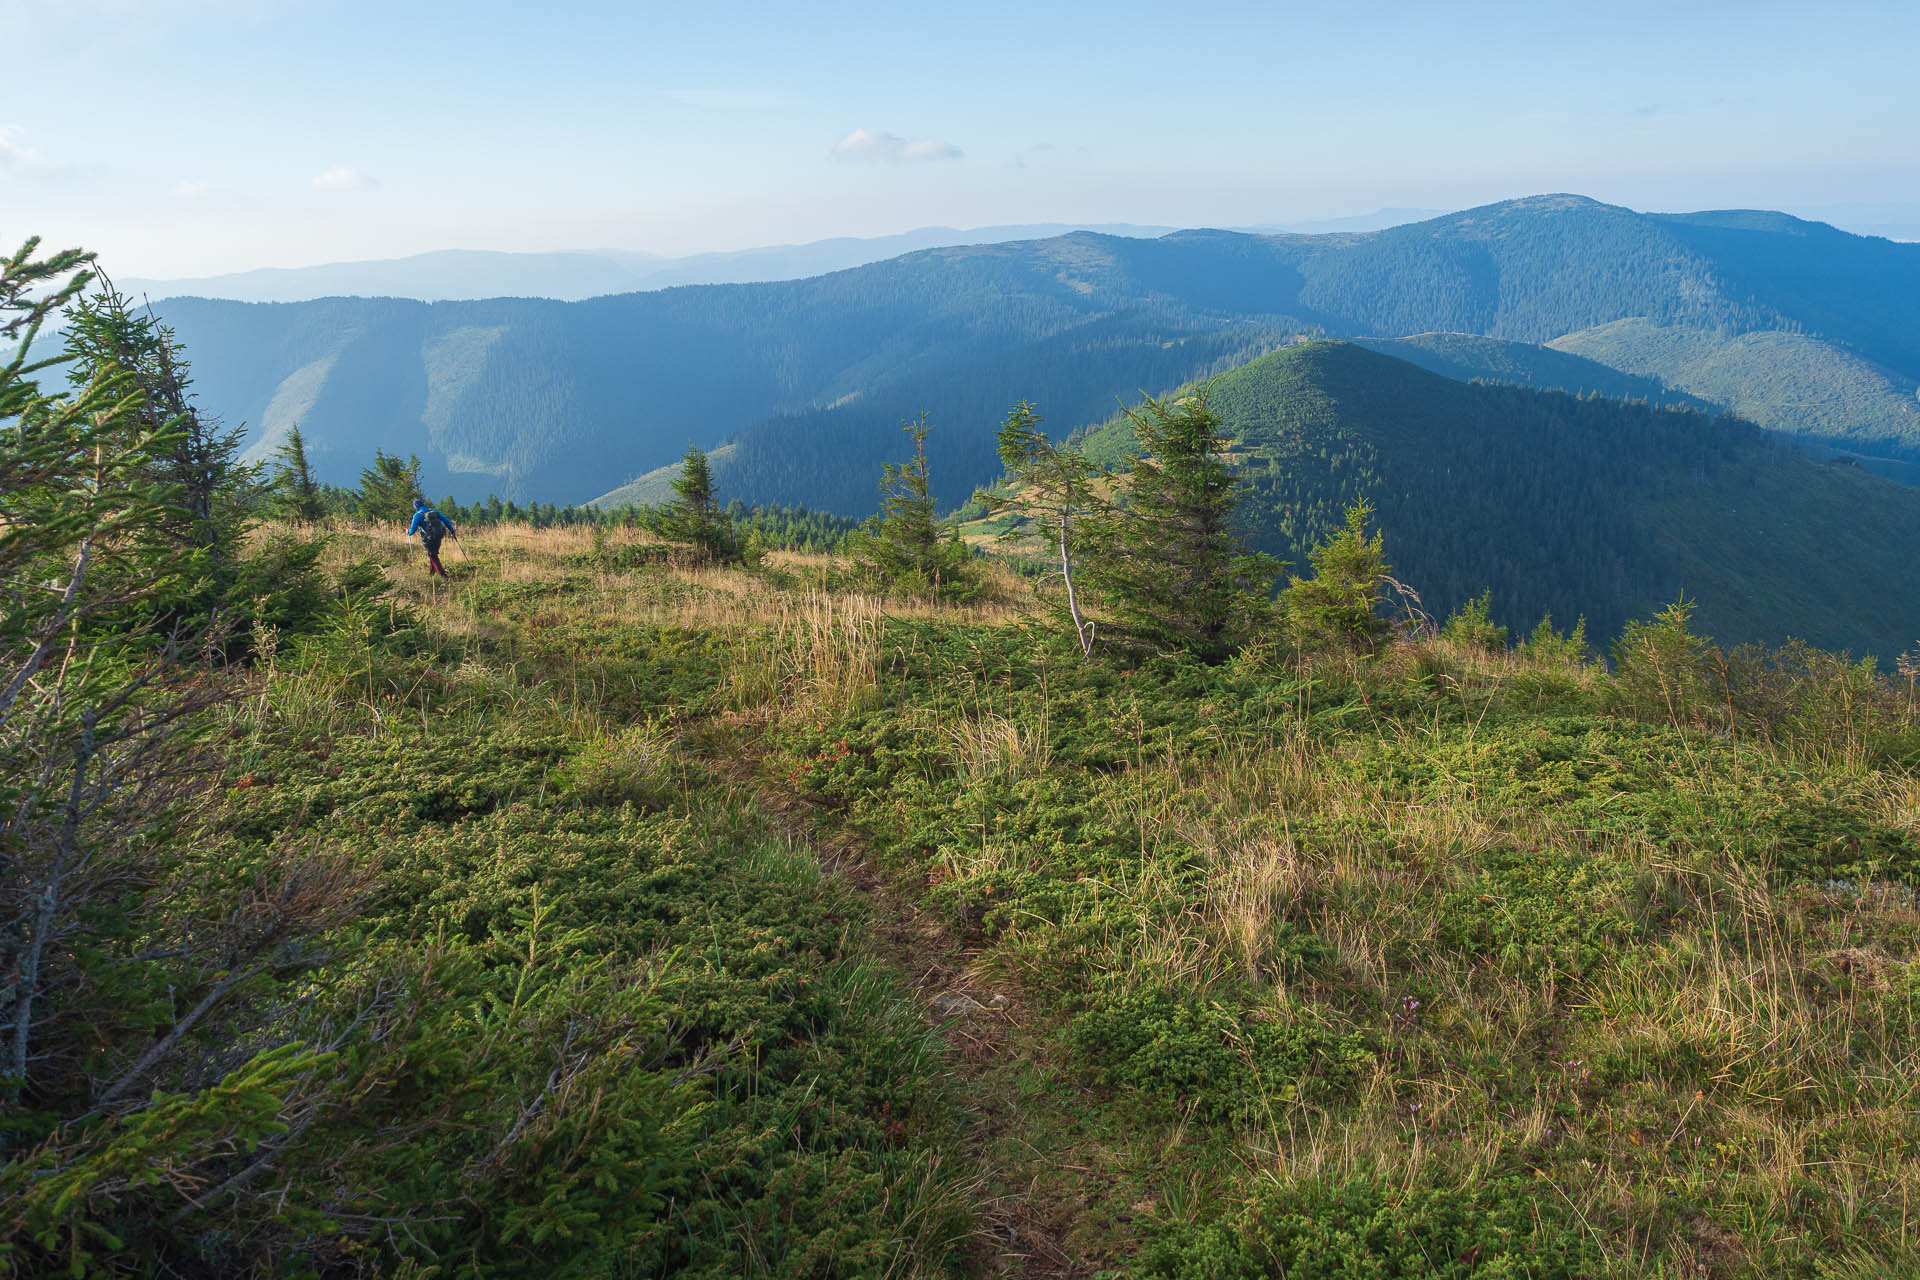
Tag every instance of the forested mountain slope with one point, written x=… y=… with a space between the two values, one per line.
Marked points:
x=1468 y=357
x=568 y=400
x=1789 y=382
x=1563 y=505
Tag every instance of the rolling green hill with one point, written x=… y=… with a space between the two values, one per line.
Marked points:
x=566 y=401
x=1563 y=505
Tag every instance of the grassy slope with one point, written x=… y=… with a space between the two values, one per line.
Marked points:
x=1784 y=381
x=656 y=485
x=1606 y=510
x=742 y=1081
x=1452 y=968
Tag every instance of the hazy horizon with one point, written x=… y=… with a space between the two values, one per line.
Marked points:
x=1900 y=222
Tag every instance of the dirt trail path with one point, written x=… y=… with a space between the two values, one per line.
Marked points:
x=1025 y=1230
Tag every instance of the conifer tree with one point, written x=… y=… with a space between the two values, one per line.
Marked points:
x=695 y=514
x=92 y=692
x=1169 y=563
x=196 y=456
x=296 y=492
x=1339 y=607
x=902 y=545
x=389 y=486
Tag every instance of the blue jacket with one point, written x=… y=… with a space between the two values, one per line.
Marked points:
x=420 y=519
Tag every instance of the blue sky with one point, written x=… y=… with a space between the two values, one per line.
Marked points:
x=191 y=136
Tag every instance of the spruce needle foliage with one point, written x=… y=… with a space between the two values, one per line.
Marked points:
x=695 y=514
x=1167 y=557
x=1472 y=626
x=195 y=457
x=389 y=486
x=296 y=494
x=902 y=546
x=134 y=1051
x=1339 y=606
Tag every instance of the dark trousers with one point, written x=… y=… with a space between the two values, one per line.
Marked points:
x=433 y=556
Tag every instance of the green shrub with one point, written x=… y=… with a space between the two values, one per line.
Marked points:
x=1660 y=666
x=1823 y=841
x=1339 y=606
x=1200 y=1056
x=1471 y=626
x=634 y=766
x=1534 y=913
x=1370 y=1228
x=1547 y=647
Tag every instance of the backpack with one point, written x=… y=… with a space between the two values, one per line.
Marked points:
x=434 y=527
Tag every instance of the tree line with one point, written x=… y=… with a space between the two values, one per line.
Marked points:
x=389 y=486
x=1152 y=543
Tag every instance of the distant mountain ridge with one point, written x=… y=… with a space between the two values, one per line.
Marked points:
x=810 y=378
x=467 y=275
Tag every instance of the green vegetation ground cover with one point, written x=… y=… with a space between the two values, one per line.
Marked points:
x=592 y=1013
x=1428 y=962
x=1420 y=955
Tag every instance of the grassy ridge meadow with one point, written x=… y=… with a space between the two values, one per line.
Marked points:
x=765 y=926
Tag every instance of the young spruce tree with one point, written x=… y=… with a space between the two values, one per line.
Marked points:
x=138 y=1025
x=1339 y=606
x=902 y=545
x=389 y=486
x=296 y=493
x=1169 y=563
x=196 y=455
x=1053 y=487
x=695 y=514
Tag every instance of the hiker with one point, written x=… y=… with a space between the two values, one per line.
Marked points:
x=432 y=527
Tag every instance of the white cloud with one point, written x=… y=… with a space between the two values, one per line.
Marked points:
x=929 y=149
x=13 y=149
x=723 y=99
x=187 y=189
x=342 y=180
x=876 y=146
